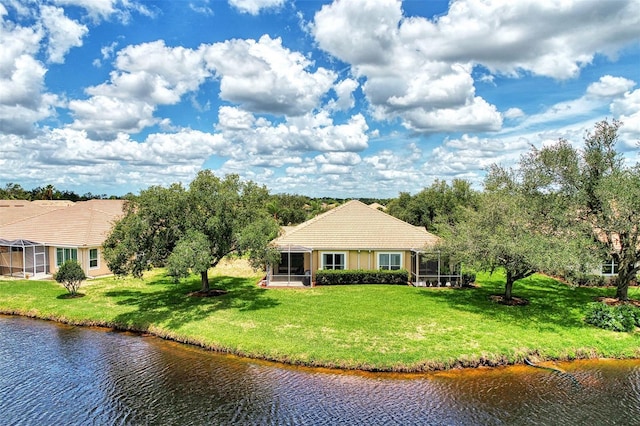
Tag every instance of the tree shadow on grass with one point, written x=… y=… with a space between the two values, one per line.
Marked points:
x=551 y=303
x=173 y=307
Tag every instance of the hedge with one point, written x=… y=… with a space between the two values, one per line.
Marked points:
x=361 y=276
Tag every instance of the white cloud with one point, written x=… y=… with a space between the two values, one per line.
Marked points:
x=106 y=52
x=419 y=69
x=254 y=7
x=339 y=158
x=23 y=100
x=160 y=159
x=475 y=115
x=64 y=33
x=103 y=117
x=610 y=87
x=99 y=10
x=231 y=118
x=146 y=75
x=344 y=90
x=427 y=94
x=553 y=39
x=296 y=135
x=514 y=113
x=266 y=77
x=627 y=109
x=468 y=155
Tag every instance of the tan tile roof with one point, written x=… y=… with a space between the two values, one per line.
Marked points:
x=16 y=210
x=356 y=226
x=81 y=224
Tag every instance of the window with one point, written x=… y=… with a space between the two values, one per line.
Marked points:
x=390 y=261
x=610 y=267
x=93 y=258
x=333 y=260
x=64 y=254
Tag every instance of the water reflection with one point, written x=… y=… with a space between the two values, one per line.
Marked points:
x=56 y=374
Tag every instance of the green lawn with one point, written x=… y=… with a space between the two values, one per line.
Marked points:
x=380 y=327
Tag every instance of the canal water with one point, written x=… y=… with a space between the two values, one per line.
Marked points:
x=52 y=374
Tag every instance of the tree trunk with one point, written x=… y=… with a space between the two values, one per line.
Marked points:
x=626 y=274
x=509 y=286
x=204 y=278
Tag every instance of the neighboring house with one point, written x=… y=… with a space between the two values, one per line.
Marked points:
x=37 y=237
x=356 y=236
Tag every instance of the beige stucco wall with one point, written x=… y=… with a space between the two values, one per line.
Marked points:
x=83 y=259
x=357 y=259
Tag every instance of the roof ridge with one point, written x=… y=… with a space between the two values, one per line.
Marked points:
x=314 y=219
x=94 y=207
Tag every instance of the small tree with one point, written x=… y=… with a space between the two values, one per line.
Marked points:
x=70 y=275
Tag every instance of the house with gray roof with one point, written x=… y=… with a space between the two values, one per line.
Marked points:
x=356 y=236
x=37 y=237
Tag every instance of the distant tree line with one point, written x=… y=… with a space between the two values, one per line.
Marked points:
x=14 y=191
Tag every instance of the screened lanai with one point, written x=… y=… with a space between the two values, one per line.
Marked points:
x=432 y=269
x=23 y=259
x=294 y=268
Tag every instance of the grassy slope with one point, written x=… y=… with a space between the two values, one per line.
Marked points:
x=368 y=327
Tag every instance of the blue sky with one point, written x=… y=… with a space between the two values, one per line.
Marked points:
x=357 y=98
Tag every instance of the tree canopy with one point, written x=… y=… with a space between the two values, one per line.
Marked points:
x=192 y=229
x=438 y=204
x=599 y=192
x=512 y=228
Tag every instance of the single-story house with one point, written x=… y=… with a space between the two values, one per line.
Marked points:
x=356 y=236
x=37 y=237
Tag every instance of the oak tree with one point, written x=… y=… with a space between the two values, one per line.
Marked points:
x=192 y=229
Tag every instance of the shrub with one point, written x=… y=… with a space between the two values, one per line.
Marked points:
x=468 y=278
x=70 y=275
x=361 y=276
x=581 y=279
x=616 y=318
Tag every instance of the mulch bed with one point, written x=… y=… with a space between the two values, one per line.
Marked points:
x=514 y=301
x=615 y=302
x=214 y=292
x=71 y=296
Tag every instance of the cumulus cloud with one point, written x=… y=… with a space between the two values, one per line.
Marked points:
x=159 y=159
x=254 y=7
x=513 y=113
x=427 y=94
x=23 y=100
x=419 y=69
x=64 y=33
x=528 y=35
x=609 y=87
x=627 y=109
x=146 y=75
x=469 y=155
x=263 y=76
x=344 y=90
x=296 y=135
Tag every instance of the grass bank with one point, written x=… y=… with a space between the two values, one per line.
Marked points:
x=377 y=328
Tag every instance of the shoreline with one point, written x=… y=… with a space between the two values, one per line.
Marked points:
x=488 y=361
